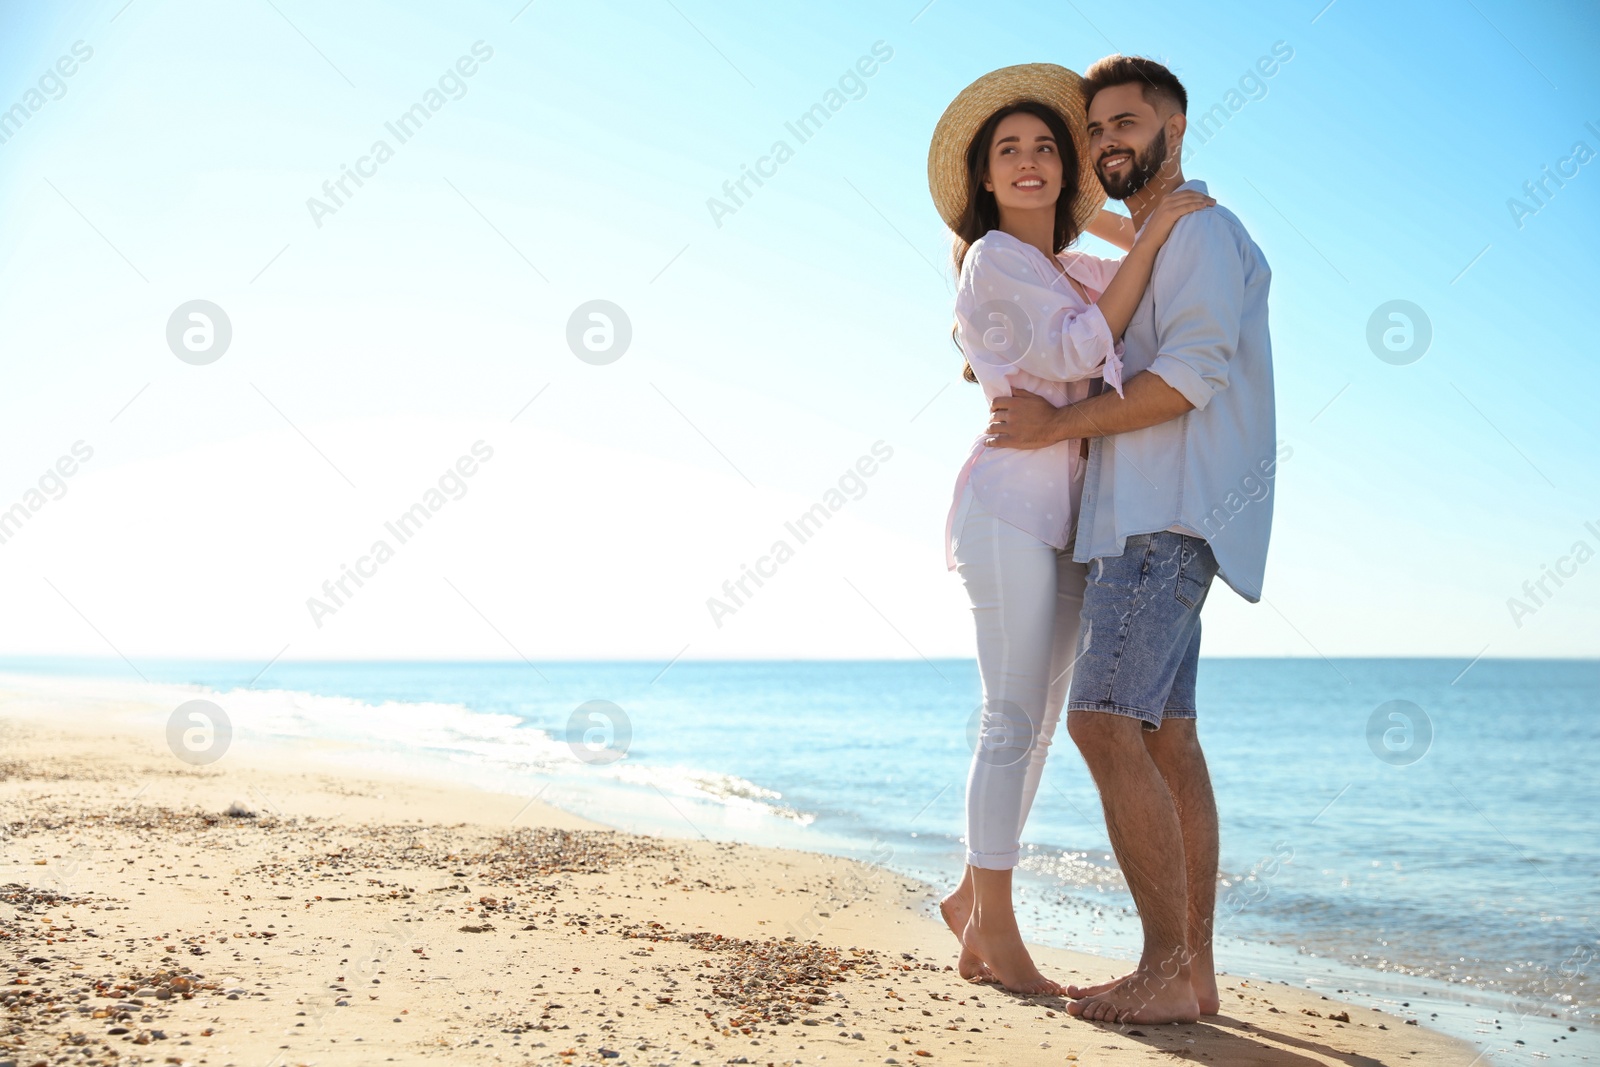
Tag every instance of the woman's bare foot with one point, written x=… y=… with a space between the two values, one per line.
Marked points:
x=1141 y=997
x=1007 y=959
x=957 y=909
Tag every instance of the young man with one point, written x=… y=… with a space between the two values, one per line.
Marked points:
x=1178 y=490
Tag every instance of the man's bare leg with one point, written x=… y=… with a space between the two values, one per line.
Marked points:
x=1175 y=748
x=1147 y=837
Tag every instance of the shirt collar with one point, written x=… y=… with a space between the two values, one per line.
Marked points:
x=1193 y=183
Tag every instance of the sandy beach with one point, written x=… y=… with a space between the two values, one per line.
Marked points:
x=268 y=909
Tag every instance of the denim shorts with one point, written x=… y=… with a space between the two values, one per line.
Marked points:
x=1139 y=640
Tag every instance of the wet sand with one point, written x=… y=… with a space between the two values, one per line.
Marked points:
x=261 y=911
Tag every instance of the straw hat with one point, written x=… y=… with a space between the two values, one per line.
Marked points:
x=1045 y=83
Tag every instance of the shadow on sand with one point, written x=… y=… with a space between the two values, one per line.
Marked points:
x=1223 y=1039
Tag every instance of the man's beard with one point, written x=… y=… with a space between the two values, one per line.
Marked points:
x=1136 y=175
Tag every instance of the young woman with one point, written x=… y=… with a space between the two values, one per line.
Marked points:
x=1010 y=173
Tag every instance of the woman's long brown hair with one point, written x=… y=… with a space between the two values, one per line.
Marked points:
x=982 y=213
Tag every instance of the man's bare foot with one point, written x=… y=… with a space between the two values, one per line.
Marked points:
x=1080 y=992
x=957 y=909
x=1203 y=977
x=1203 y=980
x=1006 y=958
x=1141 y=997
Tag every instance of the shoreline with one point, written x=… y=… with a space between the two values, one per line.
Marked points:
x=341 y=884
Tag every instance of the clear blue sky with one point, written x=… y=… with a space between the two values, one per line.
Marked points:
x=769 y=352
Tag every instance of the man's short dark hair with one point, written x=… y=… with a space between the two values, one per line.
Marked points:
x=1159 y=84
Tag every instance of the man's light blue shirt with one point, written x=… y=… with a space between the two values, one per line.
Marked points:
x=1202 y=328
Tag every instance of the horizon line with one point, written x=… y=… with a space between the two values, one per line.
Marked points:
x=6 y=660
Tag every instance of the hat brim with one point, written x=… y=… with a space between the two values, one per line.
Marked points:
x=1046 y=83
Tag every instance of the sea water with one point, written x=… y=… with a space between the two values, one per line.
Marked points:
x=1422 y=832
